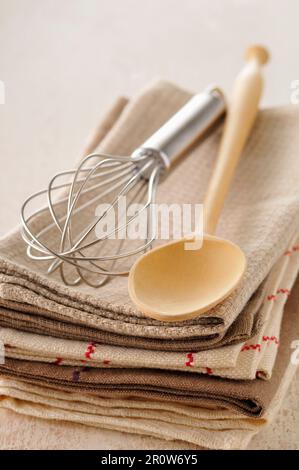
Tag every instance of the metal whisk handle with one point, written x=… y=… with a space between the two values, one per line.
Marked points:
x=185 y=127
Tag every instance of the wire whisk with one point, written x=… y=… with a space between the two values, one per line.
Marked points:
x=82 y=229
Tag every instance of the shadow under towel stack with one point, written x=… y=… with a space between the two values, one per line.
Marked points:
x=86 y=355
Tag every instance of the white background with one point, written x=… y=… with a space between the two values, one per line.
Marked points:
x=64 y=61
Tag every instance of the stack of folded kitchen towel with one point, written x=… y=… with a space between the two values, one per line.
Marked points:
x=86 y=355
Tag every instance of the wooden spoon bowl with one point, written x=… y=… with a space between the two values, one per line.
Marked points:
x=174 y=282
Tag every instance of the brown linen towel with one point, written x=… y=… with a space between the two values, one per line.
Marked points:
x=261 y=221
x=29 y=318
x=248 y=397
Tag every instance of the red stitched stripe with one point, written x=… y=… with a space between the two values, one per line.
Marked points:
x=271 y=338
x=190 y=361
x=283 y=291
x=271 y=297
x=58 y=361
x=279 y=291
x=247 y=347
x=90 y=350
x=292 y=250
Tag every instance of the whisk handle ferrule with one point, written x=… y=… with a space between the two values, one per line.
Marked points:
x=185 y=127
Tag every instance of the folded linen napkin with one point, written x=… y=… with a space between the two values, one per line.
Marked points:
x=33 y=319
x=251 y=398
x=23 y=432
x=261 y=215
x=242 y=361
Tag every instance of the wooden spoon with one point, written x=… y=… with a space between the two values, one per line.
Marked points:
x=172 y=283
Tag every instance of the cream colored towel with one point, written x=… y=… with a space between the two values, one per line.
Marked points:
x=23 y=432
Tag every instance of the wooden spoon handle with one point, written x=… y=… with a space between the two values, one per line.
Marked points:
x=240 y=118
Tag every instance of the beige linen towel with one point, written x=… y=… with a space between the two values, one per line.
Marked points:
x=23 y=432
x=261 y=215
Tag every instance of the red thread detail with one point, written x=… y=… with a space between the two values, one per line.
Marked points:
x=209 y=371
x=271 y=338
x=292 y=250
x=58 y=361
x=247 y=347
x=190 y=361
x=90 y=350
x=283 y=291
x=271 y=297
x=279 y=291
